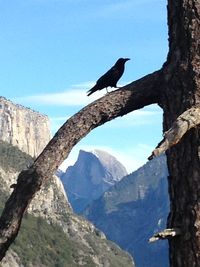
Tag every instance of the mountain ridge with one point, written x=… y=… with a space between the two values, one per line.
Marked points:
x=90 y=176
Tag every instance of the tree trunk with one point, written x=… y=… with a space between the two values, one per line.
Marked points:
x=182 y=75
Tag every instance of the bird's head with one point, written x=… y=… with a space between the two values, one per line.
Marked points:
x=122 y=61
x=126 y=59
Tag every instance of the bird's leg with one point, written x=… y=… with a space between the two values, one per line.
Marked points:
x=106 y=90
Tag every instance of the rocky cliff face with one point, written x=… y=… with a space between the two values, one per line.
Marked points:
x=111 y=164
x=131 y=211
x=23 y=127
x=50 y=202
x=92 y=174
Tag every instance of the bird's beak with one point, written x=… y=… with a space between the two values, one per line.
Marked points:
x=126 y=59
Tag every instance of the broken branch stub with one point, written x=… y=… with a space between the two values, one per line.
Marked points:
x=187 y=120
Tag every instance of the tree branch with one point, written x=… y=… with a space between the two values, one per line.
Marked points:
x=118 y=103
x=187 y=120
x=165 y=234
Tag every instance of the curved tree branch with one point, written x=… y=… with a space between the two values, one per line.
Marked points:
x=187 y=120
x=136 y=95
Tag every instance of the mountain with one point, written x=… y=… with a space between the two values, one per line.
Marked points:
x=22 y=127
x=92 y=174
x=131 y=211
x=51 y=234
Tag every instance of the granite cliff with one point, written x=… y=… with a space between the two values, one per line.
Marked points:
x=23 y=127
x=92 y=174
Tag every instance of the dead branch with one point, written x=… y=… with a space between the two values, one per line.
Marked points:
x=136 y=95
x=165 y=234
x=187 y=120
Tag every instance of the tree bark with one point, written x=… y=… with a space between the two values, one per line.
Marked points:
x=182 y=72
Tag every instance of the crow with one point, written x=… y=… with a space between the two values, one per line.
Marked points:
x=111 y=77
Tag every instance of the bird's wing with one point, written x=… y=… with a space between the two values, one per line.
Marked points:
x=110 y=78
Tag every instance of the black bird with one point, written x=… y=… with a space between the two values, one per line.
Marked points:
x=111 y=77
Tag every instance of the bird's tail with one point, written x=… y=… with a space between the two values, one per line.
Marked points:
x=92 y=90
x=89 y=92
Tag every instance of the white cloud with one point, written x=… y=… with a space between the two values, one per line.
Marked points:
x=146 y=116
x=70 y=97
x=88 y=84
x=66 y=98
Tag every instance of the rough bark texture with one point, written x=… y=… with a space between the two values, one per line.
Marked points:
x=176 y=88
x=182 y=72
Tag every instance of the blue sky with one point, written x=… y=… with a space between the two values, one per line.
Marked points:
x=53 y=51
